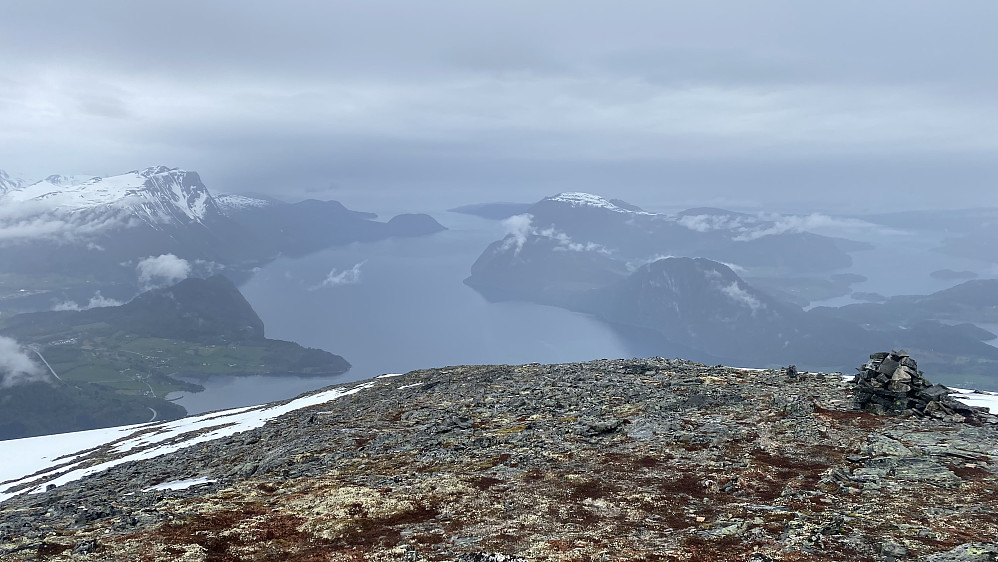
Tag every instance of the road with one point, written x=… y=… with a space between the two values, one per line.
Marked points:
x=51 y=370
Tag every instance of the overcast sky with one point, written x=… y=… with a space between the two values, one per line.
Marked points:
x=796 y=106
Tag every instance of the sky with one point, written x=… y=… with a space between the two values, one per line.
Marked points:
x=846 y=107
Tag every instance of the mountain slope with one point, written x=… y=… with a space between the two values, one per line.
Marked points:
x=649 y=459
x=122 y=360
x=8 y=183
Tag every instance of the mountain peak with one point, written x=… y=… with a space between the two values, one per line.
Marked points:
x=8 y=183
x=580 y=199
x=577 y=199
x=156 y=195
x=212 y=309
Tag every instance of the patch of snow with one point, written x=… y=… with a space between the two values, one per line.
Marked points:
x=409 y=385
x=988 y=400
x=229 y=202
x=8 y=182
x=389 y=375
x=57 y=459
x=179 y=484
x=579 y=199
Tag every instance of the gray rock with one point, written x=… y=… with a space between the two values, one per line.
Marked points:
x=970 y=552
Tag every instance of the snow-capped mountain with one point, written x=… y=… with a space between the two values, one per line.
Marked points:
x=579 y=199
x=156 y=196
x=8 y=183
x=94 y=231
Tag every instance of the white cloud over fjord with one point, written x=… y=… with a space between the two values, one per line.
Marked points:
x=337 y=277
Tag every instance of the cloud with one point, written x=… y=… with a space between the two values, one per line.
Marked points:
x=16 y=364
x=518 y=229
x=336 y=278
x=30 y=221
x=96 y=301
x=723 y=103
x=709 y=223
x=741 y=296
x=744 y=228
x=814 y=222
x=163 y=269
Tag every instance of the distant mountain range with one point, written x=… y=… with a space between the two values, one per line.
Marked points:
x=630 y=268
x=573 y=242
x=64 y=237
x=113 y=365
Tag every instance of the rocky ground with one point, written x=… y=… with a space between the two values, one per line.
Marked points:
x=652 y=459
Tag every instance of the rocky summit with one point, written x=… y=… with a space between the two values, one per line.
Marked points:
x=651 y=459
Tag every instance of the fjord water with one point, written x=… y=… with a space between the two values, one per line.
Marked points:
x=407 y=309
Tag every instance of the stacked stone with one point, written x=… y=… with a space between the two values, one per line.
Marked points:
x=890 y=383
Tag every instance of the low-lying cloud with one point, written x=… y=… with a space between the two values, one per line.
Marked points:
x=744 y=228
x=16 y=364
x=519 y=228
x=337 y=277
x=28 y=222
x=741 y=296
x=162 y=270
x=96 y=301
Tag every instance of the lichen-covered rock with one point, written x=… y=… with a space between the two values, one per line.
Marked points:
x=976 y=552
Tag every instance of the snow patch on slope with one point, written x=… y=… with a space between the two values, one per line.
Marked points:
x=8 y=182
x=34 y=463
x=229 y=202
x=579 y=199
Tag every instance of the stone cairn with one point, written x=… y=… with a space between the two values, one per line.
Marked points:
x=890 y=383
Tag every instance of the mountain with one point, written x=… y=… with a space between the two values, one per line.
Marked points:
x=704 y=305
x=644 y=459
x=113 y=365
x=600 y=240
x=99 y=228
x=64 y=238
x=8 y=183
x=608 y=258
x=297 y=229
x=971 y=301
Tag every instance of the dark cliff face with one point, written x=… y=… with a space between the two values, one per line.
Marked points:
x=650 y=459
